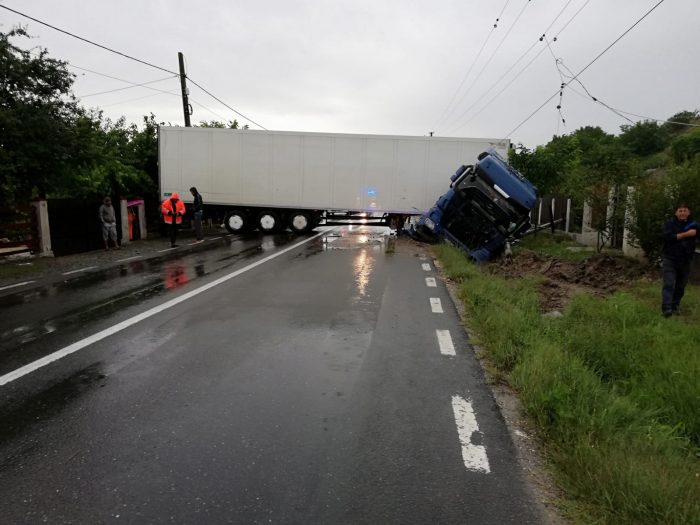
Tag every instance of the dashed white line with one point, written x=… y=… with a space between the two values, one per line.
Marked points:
x=445 y=342
x=166 y=250
x=426 y=267
x=79 y=345
x=436 y=305
x=80 y=270
x=212 y=238
x=430 y=282
x=128 y=258
x=473 y=455
x=16 y=285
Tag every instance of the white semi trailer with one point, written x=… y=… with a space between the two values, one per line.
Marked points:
x=271 y=180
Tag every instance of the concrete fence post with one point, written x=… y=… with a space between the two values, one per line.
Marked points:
x=125 y=221
x=141 y=209
x=627 y=247
x=43 y=243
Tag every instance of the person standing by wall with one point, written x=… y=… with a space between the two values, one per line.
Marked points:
x=680 y=237
x=198 y=212
x=109 y=223
x=173 y=209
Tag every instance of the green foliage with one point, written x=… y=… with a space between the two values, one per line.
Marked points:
x=612 y=387
x=686 y=146
x=231 y=124
x=37 y=111
x=654 y=201
x=644 y=138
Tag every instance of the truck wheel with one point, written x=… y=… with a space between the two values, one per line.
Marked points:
x=300 y=222
x=236 y=221
x=269 y=221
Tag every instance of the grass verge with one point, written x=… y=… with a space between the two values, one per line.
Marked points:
x=612 y=387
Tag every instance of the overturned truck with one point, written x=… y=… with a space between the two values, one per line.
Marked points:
x=487 y=206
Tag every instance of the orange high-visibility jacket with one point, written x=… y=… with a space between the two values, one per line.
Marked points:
x=169 y=212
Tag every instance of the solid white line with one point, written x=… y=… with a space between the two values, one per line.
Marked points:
x=436 y=305
x=426 y=267
x=445 y=342
x=166 y=250
x=79 y=345
x=15 y=285
x=430 y=282
x=128 y=258
x=79 y=270
x=212 y=238
x=474 y=456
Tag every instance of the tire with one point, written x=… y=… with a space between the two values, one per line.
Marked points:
x=300 y=222
x=236 y=221
x=269 y=221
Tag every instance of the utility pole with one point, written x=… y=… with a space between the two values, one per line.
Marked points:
x=186 y=107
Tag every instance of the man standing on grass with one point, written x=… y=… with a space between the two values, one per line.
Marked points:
x=680 y=236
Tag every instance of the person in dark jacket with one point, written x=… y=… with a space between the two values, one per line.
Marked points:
x=198 y=212
x=680 y=237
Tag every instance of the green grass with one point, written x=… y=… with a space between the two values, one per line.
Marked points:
x=613 y=388
x=558 y=245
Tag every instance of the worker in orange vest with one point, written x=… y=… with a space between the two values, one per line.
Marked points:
x=173 y=210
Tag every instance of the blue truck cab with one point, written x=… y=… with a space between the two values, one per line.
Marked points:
x=487 y=205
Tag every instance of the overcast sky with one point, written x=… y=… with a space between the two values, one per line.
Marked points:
x=380 y=66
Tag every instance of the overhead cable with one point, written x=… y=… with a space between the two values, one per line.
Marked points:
x=490 y=88
x=587 y=66
x=490 y=59
x=476 y=59
x=131 y=58
x=132 y=86
x=88 y=41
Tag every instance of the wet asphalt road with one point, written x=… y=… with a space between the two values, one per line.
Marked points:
x=309 y=388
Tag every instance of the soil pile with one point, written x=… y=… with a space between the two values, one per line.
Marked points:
x=597 y=275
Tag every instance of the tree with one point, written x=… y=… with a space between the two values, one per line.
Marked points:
x=644 y=138
x=231 y=124
x=36 y=109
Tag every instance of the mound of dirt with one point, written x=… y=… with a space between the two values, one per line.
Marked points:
x=597 y=275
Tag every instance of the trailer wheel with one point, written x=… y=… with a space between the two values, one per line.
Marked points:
x=269 y=221
x=236 y=221
x=300 y=222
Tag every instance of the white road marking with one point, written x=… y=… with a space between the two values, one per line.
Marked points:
x=436 y=305
x=79 y=345
x=445 y=342
x=16 y=285
x=430 y=282
x=426 y=267
x=80 y=270
x=166 y=250
x=474 y=456
x=128 y=258
x=212 y=238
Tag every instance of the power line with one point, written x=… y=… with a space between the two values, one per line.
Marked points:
x=88 y=41
x=476 y=59
x=130 y=58
x=587 y=66
x=498 y=47
x=225 y=104
x=490 y=88
x=134 y=85
x=621 y=113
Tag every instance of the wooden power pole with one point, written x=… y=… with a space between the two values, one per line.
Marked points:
x=186 y=107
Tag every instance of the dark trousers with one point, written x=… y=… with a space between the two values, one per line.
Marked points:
x=675 y=277
x=173 y=232
x=198 y=225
